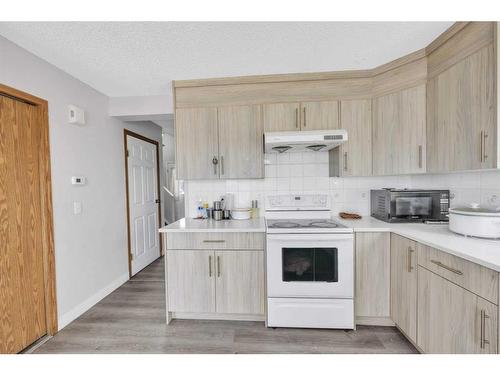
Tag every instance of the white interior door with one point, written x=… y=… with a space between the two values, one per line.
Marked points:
x=143 y=203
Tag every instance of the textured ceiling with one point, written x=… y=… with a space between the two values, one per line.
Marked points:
x=142 y=58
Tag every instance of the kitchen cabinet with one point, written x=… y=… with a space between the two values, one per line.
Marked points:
x=461 y=110
x=240 y=142
x=372 y=296
x=240 y=282
x=356 y=153
x=321 y=115
x=197 y=145
x=399 y=141
x=225 y=142
x=404 y=285
x=191 y=280
x=453 y=320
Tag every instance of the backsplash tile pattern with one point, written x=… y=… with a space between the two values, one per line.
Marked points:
x=308 y=173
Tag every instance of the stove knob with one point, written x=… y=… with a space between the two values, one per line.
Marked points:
x=322 y=200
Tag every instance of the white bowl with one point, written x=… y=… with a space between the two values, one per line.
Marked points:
x=241 y=213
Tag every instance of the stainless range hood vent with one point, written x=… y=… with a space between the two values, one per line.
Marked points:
x=301 y=141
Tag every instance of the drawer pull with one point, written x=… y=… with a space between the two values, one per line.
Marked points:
x=439 y=264
x=214 y=241
x=483 y=341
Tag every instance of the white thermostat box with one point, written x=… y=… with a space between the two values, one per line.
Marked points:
x=76 y=115
x=78 y=180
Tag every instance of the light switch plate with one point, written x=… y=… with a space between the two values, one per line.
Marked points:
x=77 y=208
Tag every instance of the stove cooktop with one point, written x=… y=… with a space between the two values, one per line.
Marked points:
x=304 y=224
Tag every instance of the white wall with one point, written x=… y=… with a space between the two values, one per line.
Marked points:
x=308 y=173
x=91 y=248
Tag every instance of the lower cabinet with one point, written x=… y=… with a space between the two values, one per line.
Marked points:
x=453 y=320
x=208 y=281
x=404 y=285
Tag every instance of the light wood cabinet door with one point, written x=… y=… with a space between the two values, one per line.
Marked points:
x=461 y=115
x=373 y=257
x=452 y=319
x=241 y=133
x=191 y=281
x=356 y=153
x=320 y=115
x=404 y=285
x=279 y=117
x=197 y=149
x=399 y=140
x=240 y=282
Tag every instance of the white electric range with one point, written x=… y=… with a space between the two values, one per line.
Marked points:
x=310 y=264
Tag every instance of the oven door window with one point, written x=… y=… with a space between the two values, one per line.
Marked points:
x=310 y=264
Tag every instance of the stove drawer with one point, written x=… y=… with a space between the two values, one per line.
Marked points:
x=310 y=313
x=215 y=240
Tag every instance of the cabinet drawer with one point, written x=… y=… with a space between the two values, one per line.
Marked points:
x=473 y=277
x=215 y=240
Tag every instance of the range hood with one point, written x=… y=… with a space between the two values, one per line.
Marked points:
x=311 y=140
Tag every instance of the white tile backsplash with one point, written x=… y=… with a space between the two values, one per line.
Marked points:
x=308 y=173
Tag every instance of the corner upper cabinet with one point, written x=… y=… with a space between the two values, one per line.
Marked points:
x=197 y=145
x=399 y=140
x=356 y=153
x=241 y=142
x=279 y=117
x=461 y=110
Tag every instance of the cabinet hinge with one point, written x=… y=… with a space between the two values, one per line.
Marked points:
x=127 y=153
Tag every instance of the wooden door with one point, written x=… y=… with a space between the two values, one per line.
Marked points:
x=197 y=150
x=373 y=258
x=356 y=118
x=320 y=115
x=143 y=202
x=461 y=115
x=191 y=281
x=385 y=134
x=453 y=320
x=241 y=133
x=240 y=282
x=280 y=117
x=410 y=149
x=22 y=289
x=404 y=285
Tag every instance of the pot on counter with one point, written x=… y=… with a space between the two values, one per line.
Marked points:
x=475 y=221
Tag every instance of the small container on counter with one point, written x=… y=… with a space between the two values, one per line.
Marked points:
x=217 y=205
x=226 y=214
x=218 y=214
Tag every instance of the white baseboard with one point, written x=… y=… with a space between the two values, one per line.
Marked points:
x=74 y=313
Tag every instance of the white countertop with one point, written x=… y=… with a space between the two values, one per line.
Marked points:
x=209 y=225
x=481 y=251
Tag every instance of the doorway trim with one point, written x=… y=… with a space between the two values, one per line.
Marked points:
x=130 y=133
x=49 y=272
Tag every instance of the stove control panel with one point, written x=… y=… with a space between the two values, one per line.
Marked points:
x=299 y=202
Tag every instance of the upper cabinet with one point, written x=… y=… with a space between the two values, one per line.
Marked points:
x=223 y=142
x=399 y=140
x=322 y=115
x=197 y=143
x=356 y=153
x=461 y=111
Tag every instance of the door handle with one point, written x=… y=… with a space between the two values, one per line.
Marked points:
x=157 y=201
x=218 y=266
x=215 y=162
x=420 y=156
x=345 y=161
x=483 y=340
x=408 y=257
x=484 y=155
x=304 y=112
x=297 y=118
x=209 y=266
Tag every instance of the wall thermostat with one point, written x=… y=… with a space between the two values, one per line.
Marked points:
x=78 y=180
x=76 y=115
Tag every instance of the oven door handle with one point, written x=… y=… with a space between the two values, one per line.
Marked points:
x=315 y=237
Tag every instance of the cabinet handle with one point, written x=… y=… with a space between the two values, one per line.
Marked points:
x=484 y=341
x=345 y=161
x=215 y=162
x=484 y=155
x=481 y=147
x=420 y=156
x=214 y=241
x=304 y=112
x=297 y=118
x=209 y=266
x=439 y=264
x=408 y=257
x=218 y=266
x=222 y=165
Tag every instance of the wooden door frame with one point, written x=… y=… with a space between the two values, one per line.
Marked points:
x=49 y=272
x=126 y=133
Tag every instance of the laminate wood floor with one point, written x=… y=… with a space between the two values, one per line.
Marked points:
x=132 y=320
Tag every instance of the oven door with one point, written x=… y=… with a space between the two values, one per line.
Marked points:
x=310 y=265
